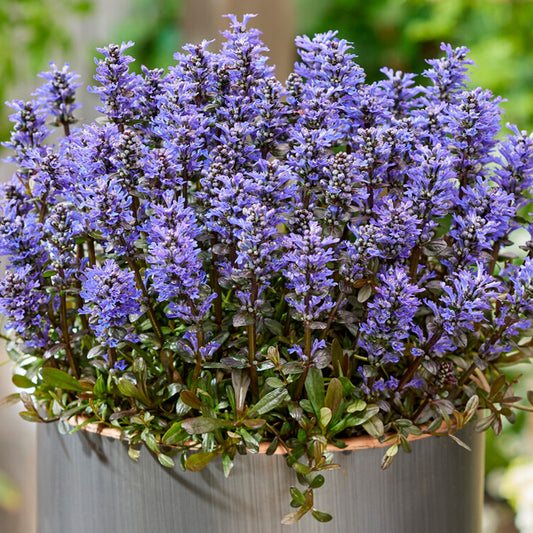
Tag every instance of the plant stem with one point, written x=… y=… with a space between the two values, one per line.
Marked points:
x=332 y=315
x=420 y=409
x=66 y=337
x=495 y=253
x=79 y=299
x=198 y=366
x=417 y=361
x=111 y=355
x=216 y=287
x=91 y=251
x=307 y=351
x=150 y=310
x=252 y=344
x=252 y=348
x=413 y=265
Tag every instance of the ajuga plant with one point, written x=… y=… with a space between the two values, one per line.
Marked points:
x=223 y=260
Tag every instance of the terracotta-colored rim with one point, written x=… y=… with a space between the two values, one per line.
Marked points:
x=352 y=443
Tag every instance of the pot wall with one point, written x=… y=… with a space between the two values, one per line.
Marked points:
x=88 y=484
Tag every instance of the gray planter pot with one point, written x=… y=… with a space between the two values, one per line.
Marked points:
x=88 y=484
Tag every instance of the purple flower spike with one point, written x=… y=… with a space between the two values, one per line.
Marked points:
x=117 y=84
x=58 y=95
x=110 y=296
x=390 y=320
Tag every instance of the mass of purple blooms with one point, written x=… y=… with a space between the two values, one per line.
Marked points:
x=216 y=214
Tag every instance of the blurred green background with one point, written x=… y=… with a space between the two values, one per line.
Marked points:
x=397 y=33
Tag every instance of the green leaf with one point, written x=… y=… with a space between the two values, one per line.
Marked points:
x=172 y=434
x=199 y=460
x=269 y=401
x=435 y=425
x=30 y=416
x=166 y=461
x=406 y=445
x=374 y=427
x=370 y=411
x=314 y=385
x=60 y=379
x=251 y=442
x=320 y=516
x=530 y=396
x=150 y=441
x=356 y=405
x=300 y=468
x=273 y=446
x=297 y=496
x=274 y=326
x=403 y=423
x=317 y=482
x=227 y=464
x=337 y=355
x=202 y=424
x=127 y=388
x=392 y=451
x=99 y=388
x=22 y=382
x=275 y=383
x=334 y=395
x=325 y=416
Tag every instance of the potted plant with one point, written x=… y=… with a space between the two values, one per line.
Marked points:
x=225 y=264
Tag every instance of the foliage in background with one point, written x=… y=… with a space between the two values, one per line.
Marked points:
x=401 y=33
x=29 y=31
x=10 y=498
x=155 y=28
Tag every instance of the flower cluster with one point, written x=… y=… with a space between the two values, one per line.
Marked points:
x=110 y=296
x=221 y=239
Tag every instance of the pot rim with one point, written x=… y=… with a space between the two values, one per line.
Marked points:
x=364 y=442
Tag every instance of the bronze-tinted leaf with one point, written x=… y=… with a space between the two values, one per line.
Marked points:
x=254 y=423
x=189 y=398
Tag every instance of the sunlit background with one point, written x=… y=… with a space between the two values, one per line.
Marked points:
x=395 y=33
